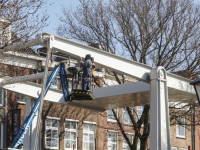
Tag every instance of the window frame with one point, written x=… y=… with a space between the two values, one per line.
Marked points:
x=174 y=148
x=65 y=129
x=2 y=97
x=20 y=101
x=112 y=120
x=184 y=149
x=89 y=132
x=178 y=128
x=58 y=129
x=117 y=138
x=124 y=141
x=139 y=116
x=126 y=123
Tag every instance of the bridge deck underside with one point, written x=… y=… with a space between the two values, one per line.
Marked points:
x=130 y=99
x=116 y=96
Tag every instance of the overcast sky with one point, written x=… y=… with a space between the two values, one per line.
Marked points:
x=54 y=10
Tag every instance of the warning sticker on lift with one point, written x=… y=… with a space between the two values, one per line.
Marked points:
x=81 y=95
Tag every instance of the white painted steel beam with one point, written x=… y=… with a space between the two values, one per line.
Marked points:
x=129 y=94
x=116 y=96
x=29 y=140
x=42 y=95
x=178 y=87
x=123 y=95
x=108 y=60
x=25 y=78
x=159 y=114
x=106 y=97
x=102 y=58
x=20 y=62
x=117 y=63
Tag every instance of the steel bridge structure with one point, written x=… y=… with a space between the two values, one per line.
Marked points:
x=155 y=87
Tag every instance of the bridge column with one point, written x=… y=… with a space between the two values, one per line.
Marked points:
x=29 y=140
x=159 y=110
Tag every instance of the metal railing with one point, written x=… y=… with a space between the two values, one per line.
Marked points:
x=77 y=83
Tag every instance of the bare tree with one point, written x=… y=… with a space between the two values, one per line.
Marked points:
x=154 y=32
x=20 y=20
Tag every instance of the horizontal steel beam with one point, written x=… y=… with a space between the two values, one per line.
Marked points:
x=105 y=98
x=102 y=58
x=117 y=63
x=33 y=90
x=20 y=79
x=116 y=96
x=105 y=59
x=23 y=78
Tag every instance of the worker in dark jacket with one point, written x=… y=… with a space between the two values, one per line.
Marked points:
x=87 y=72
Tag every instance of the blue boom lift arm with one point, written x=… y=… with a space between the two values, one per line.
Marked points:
x=29 y=119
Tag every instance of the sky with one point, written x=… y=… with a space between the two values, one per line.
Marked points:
x=54 y=11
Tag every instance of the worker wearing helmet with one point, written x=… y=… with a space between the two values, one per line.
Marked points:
x=87 y=72
x=93 y=66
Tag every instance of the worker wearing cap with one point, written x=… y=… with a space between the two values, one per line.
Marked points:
x=87 y=72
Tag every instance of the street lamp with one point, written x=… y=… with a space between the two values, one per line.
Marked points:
x=197 y=89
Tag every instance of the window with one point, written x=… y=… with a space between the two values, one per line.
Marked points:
x=140 y=111
x=51 y=133
x=126 y=118
x=111 y=116
x=70 y=134
x=3 y=37
x=1 y=97
x=180 y=127
x=88 y=136
x=112 y=141
x=21 y=98
x=174 y=148
x=125 y=144
x=3 y=40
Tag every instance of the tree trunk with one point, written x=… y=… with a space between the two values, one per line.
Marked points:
x=143 y=143
x=135 y=142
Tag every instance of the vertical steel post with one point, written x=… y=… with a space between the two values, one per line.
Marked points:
x=1 y=125
x=49 y=47
x=28 y=142
x=159 y=110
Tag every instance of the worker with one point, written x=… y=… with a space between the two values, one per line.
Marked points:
x=87 y=72
x=93 y=66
